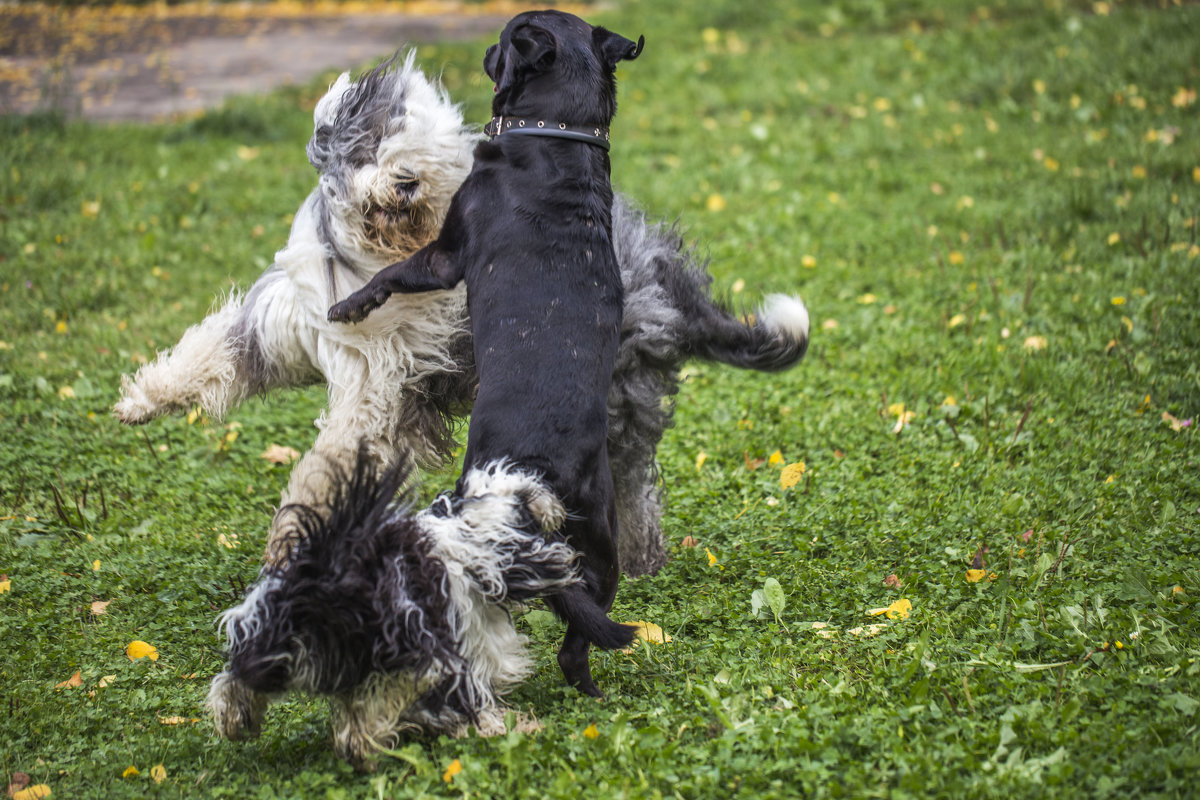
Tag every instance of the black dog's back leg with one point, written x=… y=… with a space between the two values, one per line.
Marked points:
x=585 y=607
x=573 y=661
x=429 y=269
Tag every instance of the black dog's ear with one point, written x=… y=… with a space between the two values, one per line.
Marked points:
x=535 y=45
x=615 y=47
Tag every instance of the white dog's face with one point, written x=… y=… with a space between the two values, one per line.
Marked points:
x=391 y=150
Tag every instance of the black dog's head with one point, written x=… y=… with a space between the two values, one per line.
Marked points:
x=359 y=593
x=556 y=66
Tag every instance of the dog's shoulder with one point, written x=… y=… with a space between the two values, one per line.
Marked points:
x=488 y=152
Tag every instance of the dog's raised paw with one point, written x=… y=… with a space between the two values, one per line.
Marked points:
x=134 y=407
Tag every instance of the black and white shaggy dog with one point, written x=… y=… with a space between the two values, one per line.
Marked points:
x=530 y=234
x=391 y=149
x=402 y=619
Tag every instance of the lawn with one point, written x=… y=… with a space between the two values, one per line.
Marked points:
x=991 y=211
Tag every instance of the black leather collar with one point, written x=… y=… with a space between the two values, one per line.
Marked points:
x=559 y=130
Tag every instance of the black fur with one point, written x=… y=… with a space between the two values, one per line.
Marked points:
x=530 y=231
x=359 y=592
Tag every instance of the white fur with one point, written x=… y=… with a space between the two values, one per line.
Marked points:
x=474 y=545
x=784 y=313
x=368 y=366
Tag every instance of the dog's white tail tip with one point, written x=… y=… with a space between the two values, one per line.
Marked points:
x=786 y=314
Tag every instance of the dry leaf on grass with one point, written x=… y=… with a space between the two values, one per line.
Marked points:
x=280 y=454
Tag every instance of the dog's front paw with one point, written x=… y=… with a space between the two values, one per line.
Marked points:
x=134 y=407
x=356 y=307
x=238 y=711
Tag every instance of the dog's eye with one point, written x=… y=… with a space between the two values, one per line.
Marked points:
x=407 y=185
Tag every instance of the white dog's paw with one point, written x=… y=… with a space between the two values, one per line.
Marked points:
x=135 y=406
x=546 y=508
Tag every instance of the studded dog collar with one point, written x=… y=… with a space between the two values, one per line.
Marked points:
x=538 y=127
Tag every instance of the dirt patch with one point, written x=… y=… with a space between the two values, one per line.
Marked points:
x=163 y=62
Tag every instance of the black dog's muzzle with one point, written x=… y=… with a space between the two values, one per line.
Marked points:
x=559 y=130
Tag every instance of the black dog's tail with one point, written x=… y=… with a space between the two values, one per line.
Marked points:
x=577 y=608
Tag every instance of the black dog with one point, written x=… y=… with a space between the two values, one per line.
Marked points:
x=530 y=231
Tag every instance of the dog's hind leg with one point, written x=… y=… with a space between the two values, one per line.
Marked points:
x=585 y=605
x=354 y=415
x=671 y=316
x=246 y=347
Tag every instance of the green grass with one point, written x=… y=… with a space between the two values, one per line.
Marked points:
x=969 y=183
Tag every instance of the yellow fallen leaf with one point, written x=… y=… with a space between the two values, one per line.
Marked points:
x=700 y=459
x=956 y=320
x=1035 y=343
x=808 y=261
x=247 y=153
x=715 y=202
x=712 y=560
x=689 y=541
x=452 y=770
x=96 y=565
x=5 y=586
x=35 y=792
x=71 y=682
x=649 y=632
x=897 y=610
x=1176 y=424
x=792 y=474
x=139 y=649
x=159 y=773
x=280 y=454
x=590 y=731
x=738 y=286
x=100 y=607
x=106 y=681
x=775 y=459
x=868 y=630
x=131 y=772
x=976 y=575
x=178 y=720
